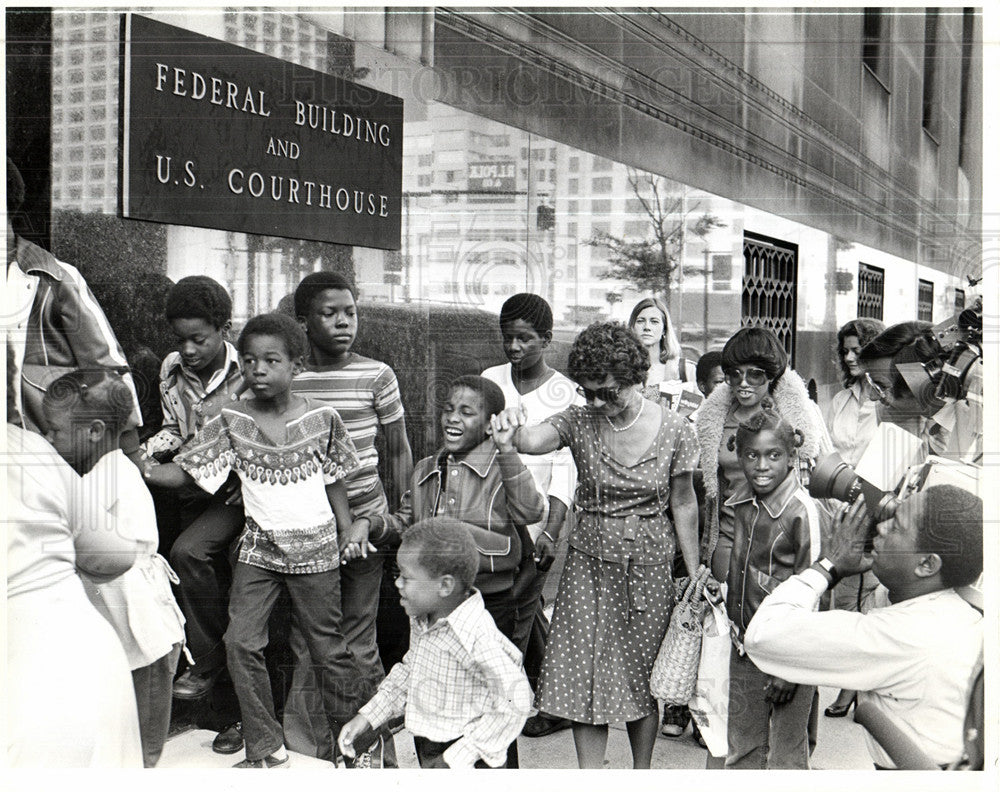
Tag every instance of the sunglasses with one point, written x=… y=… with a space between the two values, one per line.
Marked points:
x=753 y=376
x=877 y=391
x=608 y=394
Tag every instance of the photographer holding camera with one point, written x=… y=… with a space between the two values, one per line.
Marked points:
x=913 y=658
x=927 y=380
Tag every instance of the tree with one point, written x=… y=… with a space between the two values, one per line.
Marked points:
x=649 y=264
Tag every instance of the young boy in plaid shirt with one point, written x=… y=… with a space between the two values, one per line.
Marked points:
x=461 y=686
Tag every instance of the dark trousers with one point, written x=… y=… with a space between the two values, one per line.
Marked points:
x=502 y=606
x=200 y=557
x=430 y=754
x=153 y=696
x=527 y=592
x=315 y=600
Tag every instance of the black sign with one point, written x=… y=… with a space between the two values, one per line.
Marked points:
x=217 y=136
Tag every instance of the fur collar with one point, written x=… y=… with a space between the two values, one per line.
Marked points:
x=792 y=402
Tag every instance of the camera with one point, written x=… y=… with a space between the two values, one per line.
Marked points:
x=833 y=478
x=961 y=340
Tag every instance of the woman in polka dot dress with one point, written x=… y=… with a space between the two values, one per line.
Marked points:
x=634 y=460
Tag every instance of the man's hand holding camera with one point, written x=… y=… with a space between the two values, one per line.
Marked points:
x=851 y=531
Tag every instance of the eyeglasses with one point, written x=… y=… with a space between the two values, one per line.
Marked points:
x=608 y=394
x=877 y=391
x=753 y=376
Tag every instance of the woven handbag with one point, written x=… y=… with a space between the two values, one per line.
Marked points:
x=675 y=670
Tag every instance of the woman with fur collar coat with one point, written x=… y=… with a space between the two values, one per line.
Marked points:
x=757 y=373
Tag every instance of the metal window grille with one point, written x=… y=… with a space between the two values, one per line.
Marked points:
x=770 y=272
x=925 y=301
x=871 y=291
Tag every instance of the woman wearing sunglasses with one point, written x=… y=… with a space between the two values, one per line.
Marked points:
x=756 y=369
x=634 y=459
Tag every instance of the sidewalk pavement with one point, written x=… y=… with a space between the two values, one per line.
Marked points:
x=840 y=747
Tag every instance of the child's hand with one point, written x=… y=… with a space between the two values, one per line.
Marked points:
x=354 y=727
x=504 y=424
x=353 y=542
x=778 y=691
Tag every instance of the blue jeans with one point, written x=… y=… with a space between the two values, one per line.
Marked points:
x=763 y=736
x=153 y=696
x=316 y=604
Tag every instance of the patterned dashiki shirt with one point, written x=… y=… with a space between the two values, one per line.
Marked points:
x=290 y=526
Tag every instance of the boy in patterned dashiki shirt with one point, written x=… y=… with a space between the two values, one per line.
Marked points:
x=291 y=455
x=461 y=685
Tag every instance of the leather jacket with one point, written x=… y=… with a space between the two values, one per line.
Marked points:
x=65 y=330
x=776 y=536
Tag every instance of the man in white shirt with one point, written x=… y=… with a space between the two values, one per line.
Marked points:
x=915 y=657
x=528 y=381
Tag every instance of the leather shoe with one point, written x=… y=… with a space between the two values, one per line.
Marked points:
x=541 y=725
x=267 y=763
x=189 y=685
x=229 y=740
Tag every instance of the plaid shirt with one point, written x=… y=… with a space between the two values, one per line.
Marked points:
x=461 y=679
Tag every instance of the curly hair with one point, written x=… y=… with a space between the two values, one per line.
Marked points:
x=952 y=527
x=278 y=326
x=311 y=286
x=756 y=346
x=608 y=348
x=92 y=394
x=862 y=329
x=670 y=347
x=489 y=391
x=766 y=420
x=444 y=546
x=906 y=342
x=199 y=297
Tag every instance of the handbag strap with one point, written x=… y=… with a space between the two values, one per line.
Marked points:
x=712 y=515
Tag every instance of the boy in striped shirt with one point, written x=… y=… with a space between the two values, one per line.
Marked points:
x=366 y=395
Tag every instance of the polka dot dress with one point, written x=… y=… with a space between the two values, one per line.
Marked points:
x=601 y=648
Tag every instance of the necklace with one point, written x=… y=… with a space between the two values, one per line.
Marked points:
x=630 y=424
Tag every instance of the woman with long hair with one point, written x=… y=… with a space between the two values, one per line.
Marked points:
x=650 y=323
x=851 y=415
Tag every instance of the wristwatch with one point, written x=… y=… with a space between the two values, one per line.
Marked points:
x=827 y=566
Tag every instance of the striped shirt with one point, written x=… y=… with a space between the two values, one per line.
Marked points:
x=366 y=395
x=461 y=679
